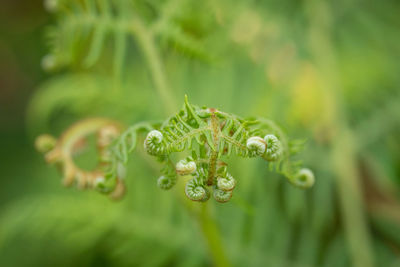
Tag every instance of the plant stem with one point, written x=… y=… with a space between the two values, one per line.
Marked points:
x=214 y=153
x=120 y=51
x=202 y=214
x=146 y=40
x=213 y=237
x=343 y=154
x=351 y=200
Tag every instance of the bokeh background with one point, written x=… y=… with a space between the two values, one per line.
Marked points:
x=328 y=71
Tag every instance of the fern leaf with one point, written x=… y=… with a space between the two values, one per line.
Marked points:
x=99 y=37
x=184 y=43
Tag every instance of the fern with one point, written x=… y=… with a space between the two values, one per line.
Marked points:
x=76 y=92
x=40 y=219
x=210 y=135
x=93 y=22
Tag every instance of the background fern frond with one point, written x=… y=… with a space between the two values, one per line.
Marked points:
x=64 y=94
x=93 y=22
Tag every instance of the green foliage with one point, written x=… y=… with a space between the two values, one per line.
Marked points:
x=83 y=27
x=72 y=233
x=326 y=71
x=210 y=136
x=64 y=94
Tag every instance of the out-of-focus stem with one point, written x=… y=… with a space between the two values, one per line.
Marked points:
x=352 y=204
x=213 y=237
x=343 y=155
x=146 y=41
x=201 y=212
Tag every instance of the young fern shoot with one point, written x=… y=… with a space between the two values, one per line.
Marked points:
x=61 y=152
x=208 y=135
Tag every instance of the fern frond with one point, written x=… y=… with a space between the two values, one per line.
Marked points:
x=83 y=27
x=81 y=23
x=119 y=151
x=76 y=93
x=216 y=134
x=235 y=138
x=184 y=43
x=284 y=164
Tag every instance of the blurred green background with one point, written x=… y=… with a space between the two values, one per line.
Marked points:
x=328 y=71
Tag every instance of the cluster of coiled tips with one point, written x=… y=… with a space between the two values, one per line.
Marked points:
x=271 y=149
x=220 y=184
x=268 y=147
x=198 y=187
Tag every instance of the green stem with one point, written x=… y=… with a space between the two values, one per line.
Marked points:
x=146 y=40
x=120 y=51
x=351 y=200
x=208 y=226
x=214 y=153
x=213 y=237
x=343 y=154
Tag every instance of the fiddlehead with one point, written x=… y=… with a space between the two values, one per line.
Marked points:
x=210 y=135
x=186 y=166
x=256 y=145
x=304 y=178
x=226 y=183
x=166 y=182
x=61 y=151
x=196 y=189
x=153 y=143
x=221 y=195
x=273 y=147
